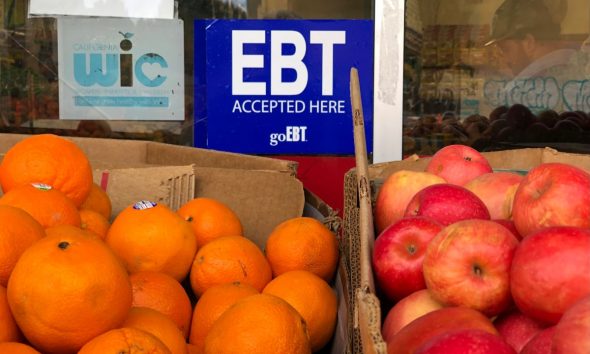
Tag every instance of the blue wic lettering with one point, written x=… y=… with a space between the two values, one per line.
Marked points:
x=150 y=58
x=95 y=73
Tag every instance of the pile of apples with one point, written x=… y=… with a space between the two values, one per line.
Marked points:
x=476 y=261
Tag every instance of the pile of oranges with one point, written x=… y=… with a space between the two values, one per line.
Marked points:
x=76 y=279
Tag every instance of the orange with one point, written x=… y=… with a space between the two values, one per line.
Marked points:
x=259 y=324
x=66 y=230
x=94 y=222
x=9 y=331
x=192 y=349
x=125 y=341
x=302 y=243
x=17 y=348
x=150 y=236
x=210 y=219
x=19 y=230
x=159 y=325
x=46 y=204
x=99 y=201
x=229 y=259
x=313 y=298
x=213 y=304
x=67 y=289
x=48 y=159
x=161 y=292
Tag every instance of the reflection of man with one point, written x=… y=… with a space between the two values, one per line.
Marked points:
x=528 y=34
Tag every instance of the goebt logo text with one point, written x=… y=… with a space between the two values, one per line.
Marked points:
x=93 y=67
x=274 y=85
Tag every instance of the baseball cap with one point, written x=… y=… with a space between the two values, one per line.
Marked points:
x=514 y=18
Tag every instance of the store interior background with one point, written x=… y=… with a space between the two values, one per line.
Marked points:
x=445 y=68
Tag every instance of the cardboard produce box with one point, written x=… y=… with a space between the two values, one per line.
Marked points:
x=262 y=191
x=365 y=313
x=132 y=170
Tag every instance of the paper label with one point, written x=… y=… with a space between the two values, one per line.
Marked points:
x=42 y=186
x=144 y=204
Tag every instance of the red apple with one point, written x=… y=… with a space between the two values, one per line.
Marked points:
x=466 y=341
x=447 y=203
x=395 y=193
x=398 y=253
x=458 y=164
x=550 y=272
x=446 y=319
x=552 y=194
x=572 y=332
x=406 y=310
x=468 y=263
x=509 y=224
x=496 y=190
x=540 y=343
x=516 y=328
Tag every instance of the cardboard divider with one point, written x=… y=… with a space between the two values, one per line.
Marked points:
x=364 y=314
x=362 y=179
x=262 y=199
x=170 y=185
x=365 y=307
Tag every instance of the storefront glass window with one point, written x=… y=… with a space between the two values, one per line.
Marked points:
x=29 y=65
x=496 y=74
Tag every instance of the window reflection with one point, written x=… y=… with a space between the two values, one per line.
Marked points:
x=497 y=73
x=29 y=101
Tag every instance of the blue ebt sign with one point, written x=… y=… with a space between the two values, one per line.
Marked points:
x=280 y=86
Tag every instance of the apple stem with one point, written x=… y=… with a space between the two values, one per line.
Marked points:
x=411 y=249
x=477 y=270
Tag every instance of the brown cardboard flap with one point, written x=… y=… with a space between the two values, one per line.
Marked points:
x=158 y=153
x=103 y=153
x=169 y=185
x=262 y=199
x=580 y=160
x=113 y=153
x=369 y=320
x=382 y=170
x=317 y=208
x=522 y=159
